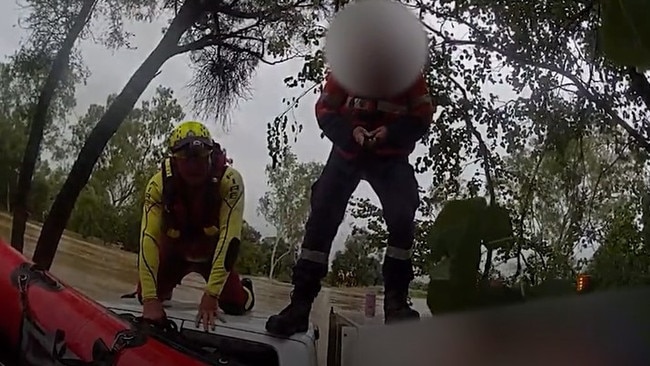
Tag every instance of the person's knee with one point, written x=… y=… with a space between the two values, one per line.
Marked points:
x=326 y=215
x=400 y=209
x=329 y=201
x=400 y=224
x=400 y=219
x=408 y=193
x=332 y=190
x=232 y=309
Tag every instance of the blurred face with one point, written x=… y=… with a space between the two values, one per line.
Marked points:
x=192 y=162
x=376 y=49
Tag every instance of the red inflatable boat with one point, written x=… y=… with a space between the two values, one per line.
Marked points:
x=45 y=322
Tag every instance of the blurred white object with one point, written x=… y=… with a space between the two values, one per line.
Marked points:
x=376 y=48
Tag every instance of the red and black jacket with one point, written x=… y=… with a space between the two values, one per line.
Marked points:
x=407 y=117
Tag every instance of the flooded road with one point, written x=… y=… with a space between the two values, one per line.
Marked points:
x=104 y=273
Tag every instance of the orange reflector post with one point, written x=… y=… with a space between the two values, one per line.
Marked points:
x=583 y=282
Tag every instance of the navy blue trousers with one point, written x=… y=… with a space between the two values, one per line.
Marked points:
x=393 y=180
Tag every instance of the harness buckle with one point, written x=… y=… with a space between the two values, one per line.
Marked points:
x=372 y=105
x=369 y=105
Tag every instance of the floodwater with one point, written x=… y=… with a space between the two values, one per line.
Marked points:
x=104 y=273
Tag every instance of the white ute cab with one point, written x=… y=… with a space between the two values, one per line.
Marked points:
x=236 y=341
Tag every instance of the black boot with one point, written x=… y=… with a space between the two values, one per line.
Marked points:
x=292 y=319
x=397 y=307
x=246 y=282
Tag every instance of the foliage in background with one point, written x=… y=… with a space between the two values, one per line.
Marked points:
x=109 y=207
x=358 y=264
x=225 y=42
x=532 y=114
x=286 y=204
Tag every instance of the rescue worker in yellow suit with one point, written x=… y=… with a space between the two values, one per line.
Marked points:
x=192 y=222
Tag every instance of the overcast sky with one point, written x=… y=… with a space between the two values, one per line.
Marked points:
x=245 y=139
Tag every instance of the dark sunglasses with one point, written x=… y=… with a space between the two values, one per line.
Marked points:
x=193 y=149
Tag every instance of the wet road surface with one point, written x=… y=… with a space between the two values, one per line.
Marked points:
x=104 y=273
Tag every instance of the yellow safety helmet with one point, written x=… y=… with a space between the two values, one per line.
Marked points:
x=189 y=132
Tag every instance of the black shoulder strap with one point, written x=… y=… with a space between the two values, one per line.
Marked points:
x=167 y=184
x=213 y=198
x=168 y=188
x=219 y=162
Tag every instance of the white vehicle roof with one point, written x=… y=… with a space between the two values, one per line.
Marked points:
x=297 y=350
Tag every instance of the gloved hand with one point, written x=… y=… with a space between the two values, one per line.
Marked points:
x=152 y=309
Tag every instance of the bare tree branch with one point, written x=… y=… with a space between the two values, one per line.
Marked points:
x=199 y=44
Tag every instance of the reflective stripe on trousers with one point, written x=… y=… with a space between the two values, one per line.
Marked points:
x=314 y=256
x=322 y=258
x=398 y=253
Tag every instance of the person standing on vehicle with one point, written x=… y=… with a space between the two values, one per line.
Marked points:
x=192 y=222
x=372 y=140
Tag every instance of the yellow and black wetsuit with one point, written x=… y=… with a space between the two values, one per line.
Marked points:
x=231 y=212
